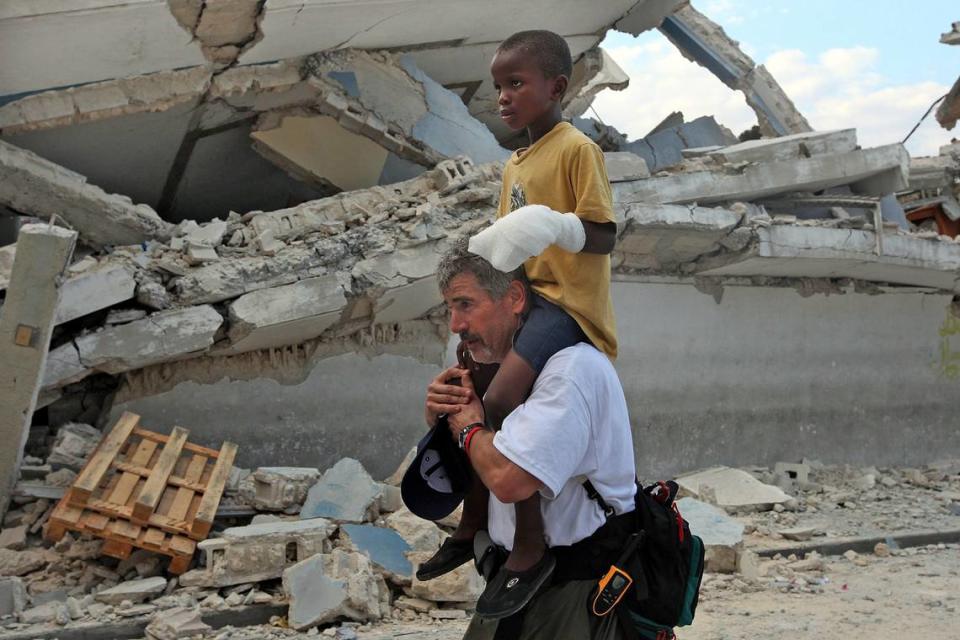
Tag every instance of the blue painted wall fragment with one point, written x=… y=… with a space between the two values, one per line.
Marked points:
x=347 y=80
x=385 y=547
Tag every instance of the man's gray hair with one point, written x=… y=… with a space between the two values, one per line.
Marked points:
x=458 y=259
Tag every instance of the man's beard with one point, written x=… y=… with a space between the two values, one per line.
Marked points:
x=479 y=350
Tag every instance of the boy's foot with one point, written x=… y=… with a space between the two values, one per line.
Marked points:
x=451 y=554
x=510 y=591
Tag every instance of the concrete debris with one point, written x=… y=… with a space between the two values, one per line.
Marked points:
x=949 y=110
x=55 y=612
x=593 y=72
x=791 y=147
x=345 y=493
x=385 y=547
x=18 y=563
x=13 y=596
x=74 y=442
x=722 y=535
x=133 y=590
x=463 y=584
x=30 y=184
x=624 y=166
x=258 y=552
x=731 y=489
x=341 y=584
x=420 y=534
x=278 y=488
x=13 y=538
x=176 y=623
x=952 y=36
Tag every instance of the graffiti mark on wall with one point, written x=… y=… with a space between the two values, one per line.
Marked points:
x=950 y=347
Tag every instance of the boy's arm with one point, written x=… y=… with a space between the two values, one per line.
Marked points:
x=601 y=237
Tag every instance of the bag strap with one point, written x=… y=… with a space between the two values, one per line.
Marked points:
x=593 y=494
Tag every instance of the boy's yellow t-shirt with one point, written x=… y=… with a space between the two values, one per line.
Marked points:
x=564 y=170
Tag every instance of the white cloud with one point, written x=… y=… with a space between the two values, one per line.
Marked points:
x=839 y=88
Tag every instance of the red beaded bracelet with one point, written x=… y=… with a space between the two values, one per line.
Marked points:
x=470 y=434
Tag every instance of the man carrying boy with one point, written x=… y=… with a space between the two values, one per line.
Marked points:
x=555 y=218
x=573 y=426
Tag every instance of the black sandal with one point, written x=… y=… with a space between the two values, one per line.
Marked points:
x=451 y=554
x=510 y=591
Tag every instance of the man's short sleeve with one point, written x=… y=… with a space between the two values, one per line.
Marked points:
x=548 y=435
x=591 y=185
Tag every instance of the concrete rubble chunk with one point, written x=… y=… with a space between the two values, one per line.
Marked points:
x=875 y=171
x=13 y=596
x=176 y=623
x=31 y=184
x=14 y=538
x=420 y=534
x=209 y=234
x=75 y=441
x=792 y=147
x=325 y=587
x=133 y=590
x=163 y=336
x=722 y=535
x=463 y=584
x=385 y=547
x=623 y=166
x=344 y=494
x=278 y=488
x=732 y=489
x=287 y=314
x=7 y=256
x=19 y=563
x=55 y=612
x=258 y=552
x=95 y=289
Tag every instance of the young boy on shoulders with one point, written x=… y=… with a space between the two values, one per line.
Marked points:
x=556 y=219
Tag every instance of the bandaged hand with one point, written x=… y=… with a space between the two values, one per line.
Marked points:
x=525 y=233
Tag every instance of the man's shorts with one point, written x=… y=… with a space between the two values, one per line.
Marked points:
x=546 y=330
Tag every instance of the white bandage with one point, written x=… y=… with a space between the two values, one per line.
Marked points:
x=525 y=233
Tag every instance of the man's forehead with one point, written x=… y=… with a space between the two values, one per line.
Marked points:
x=464 y=286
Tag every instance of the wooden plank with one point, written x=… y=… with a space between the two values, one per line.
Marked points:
x=95 y=521
x=157 y=482
x=128 y=481
x=191 y=447
x=116 y=549
x=103 y=455
x=124 y=529
x=181 y=502
x=203 y=521
x=181 y=545
x=144 y=472
x=154 y=537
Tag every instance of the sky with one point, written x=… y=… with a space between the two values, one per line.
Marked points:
x=875 y=65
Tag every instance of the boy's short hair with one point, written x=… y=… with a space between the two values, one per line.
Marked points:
x=546 y=47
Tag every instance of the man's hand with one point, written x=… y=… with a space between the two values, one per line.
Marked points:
x=443 y=397
x=469 y=413
x=525 y=233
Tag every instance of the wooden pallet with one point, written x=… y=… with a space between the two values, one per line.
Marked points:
x=147 y=490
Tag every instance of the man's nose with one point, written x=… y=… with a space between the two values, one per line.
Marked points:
x=457 y=322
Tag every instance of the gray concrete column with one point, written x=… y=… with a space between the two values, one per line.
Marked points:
x=26 y=322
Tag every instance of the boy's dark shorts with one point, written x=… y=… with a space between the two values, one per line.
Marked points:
x=546 y=330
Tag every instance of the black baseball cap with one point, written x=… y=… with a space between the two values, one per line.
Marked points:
x=437 y=479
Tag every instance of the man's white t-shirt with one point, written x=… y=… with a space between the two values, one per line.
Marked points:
x=573 y=425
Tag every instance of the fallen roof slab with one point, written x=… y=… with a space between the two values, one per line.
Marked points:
x=32 y=185
x=819 y=252
x=103 y=286
x=792 y=147
x=876 y=171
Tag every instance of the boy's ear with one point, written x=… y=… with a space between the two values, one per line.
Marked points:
x=559 y=87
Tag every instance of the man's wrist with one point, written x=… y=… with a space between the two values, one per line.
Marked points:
x=467 y=433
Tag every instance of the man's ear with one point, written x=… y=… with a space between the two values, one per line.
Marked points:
x=560 y=84
x=517 y=294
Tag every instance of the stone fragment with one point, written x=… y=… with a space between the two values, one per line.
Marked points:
x=624 y=165
x=346 y=493
x=18 y=563
x=177 y=623
x=448 y=614
x=136 y=610
x=800 y=534
x=198 y=253
x=325 y=587
x=49 y=612
x=881 y=550
x=74 y=608
x=733 y=488
x=463 y=584
x=153 y=295
x=278 y=488
x=390 y=498
x=210 y=234
x=14 y=538
x=258 y=552
x=73 y=444
x=133 y=590
x=13 y=596
x=61 y=477
x=722 y=535
x=385 y=547
x=415 y=604
x=796 y=471
x=813 y=561
x=420 y=534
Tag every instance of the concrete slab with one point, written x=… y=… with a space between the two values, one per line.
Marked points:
x=385 y=548
x=623 y=166
x=792 y=147
x=876 y=171
x=314 y=597
x=13 y=596
x=463 y=584
x=30 y=184
x=722 y=535
x=133 y=590
x=176 y=623
x=96 y=289
x=285 y=315
x=819 y=252
x=344 y=494
x=26 y=325
x=732 y=488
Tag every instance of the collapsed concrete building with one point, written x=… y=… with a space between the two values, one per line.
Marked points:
x=260 y=195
